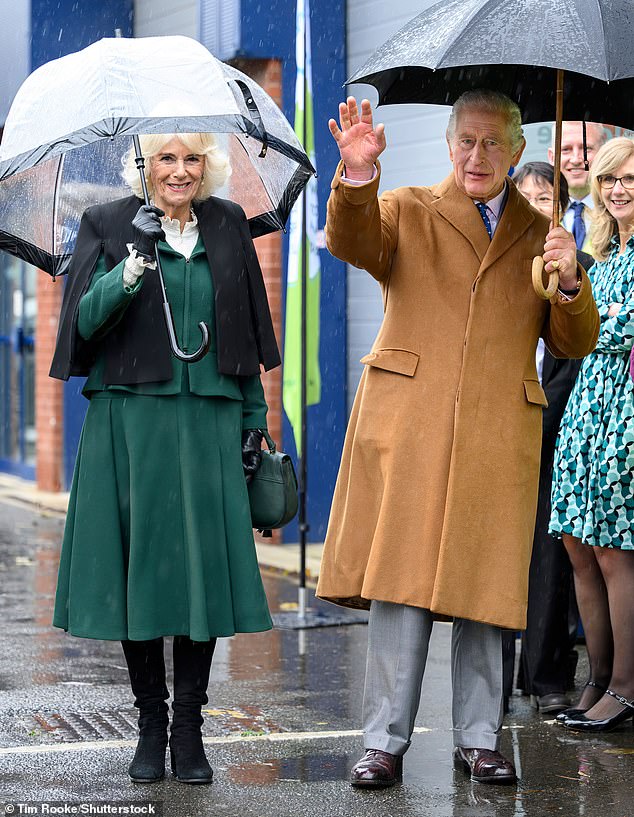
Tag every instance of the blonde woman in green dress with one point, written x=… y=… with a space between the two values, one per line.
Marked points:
x=158 y=539
x=593 y=475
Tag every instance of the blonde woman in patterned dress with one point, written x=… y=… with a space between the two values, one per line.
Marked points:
x=593 y=487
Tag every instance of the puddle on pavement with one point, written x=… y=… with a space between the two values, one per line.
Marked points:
x=302 y=769
x=429 y=777
x=246 y=721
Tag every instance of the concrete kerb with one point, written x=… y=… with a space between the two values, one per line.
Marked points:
x=283 y=559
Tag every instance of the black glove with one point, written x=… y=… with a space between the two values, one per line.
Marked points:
x=251 y=451
x=147 y=231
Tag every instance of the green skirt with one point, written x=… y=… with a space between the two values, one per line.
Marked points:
x=158 y=537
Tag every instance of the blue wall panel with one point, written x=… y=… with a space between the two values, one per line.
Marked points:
x=268 y=30
x=59 y=27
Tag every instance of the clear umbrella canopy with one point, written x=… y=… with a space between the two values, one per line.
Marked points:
x=71 y=124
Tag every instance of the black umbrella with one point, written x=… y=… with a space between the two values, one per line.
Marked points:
x=521 y=48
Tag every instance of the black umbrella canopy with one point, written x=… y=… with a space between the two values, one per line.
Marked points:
x=514 y=46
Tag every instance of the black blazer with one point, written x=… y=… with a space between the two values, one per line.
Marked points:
x=137 y=349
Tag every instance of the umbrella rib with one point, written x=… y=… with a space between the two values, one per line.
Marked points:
x=605 y=53
x=58 y=176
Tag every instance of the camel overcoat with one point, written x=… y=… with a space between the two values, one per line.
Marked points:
x=436 y=496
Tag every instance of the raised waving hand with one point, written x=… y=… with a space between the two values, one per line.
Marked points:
x=360 y=143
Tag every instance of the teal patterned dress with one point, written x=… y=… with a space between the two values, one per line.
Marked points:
x=592 y=493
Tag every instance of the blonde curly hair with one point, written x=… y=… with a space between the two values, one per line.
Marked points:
x=217 y=168
x=607 y=160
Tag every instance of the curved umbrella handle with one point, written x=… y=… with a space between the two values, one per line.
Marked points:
x=186 y=357
x=538 y=279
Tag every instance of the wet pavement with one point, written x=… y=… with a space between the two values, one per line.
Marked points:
x=281 y=727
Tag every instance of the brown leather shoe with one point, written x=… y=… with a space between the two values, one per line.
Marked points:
x=485 y=765
x=377 y=770
x=553 y=703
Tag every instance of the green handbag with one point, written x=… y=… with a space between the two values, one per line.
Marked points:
x=273 y=490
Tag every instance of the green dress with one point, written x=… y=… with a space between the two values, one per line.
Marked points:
x=593 y=473
x=158 y=538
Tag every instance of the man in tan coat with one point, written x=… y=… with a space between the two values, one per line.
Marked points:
x=434 y=507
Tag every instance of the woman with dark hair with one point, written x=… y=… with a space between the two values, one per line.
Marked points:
x=158 y=539
x=536 y=182
x=548 y=659
x=592 y=505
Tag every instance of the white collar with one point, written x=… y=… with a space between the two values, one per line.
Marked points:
x=495 y=204
x=587 y=200
x=173 y=224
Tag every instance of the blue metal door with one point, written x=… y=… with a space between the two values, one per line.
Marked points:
x=18 y=309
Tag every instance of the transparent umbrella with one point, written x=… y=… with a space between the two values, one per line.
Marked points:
x=72 y=121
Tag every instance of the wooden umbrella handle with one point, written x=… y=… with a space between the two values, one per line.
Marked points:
x=538 y=279
x=538 y=262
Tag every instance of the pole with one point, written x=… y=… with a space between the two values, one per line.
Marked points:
x=559 y=115
x=303 y=470
x=537 y=272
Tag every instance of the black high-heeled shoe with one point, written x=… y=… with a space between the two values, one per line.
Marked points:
x=574 y=712
x=582 y=724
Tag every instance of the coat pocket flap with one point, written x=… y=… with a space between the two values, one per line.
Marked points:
x=401 y=361
x=535 y=393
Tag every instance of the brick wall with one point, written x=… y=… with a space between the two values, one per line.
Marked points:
x=49 y=393
x=268 y=74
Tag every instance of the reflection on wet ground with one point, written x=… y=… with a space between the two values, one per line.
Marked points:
x=280 y=725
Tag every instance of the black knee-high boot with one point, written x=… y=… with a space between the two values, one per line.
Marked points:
x=192 y=663
x=146 y=666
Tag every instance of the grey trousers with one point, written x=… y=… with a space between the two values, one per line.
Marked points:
x=398 y=640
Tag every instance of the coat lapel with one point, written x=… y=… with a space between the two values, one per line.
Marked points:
x=516 y=218
x=462 y=214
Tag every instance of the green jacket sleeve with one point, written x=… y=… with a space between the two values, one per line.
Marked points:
x=105 y=302
x=254 y=407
